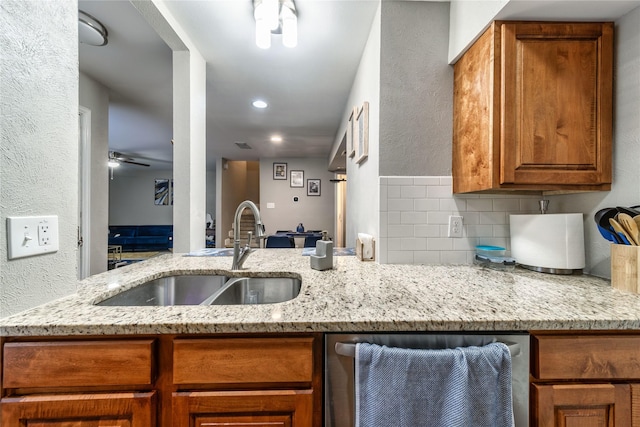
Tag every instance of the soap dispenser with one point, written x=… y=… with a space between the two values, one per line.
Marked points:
x=323 y=259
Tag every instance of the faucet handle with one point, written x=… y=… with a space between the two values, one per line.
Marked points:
x=249 y=238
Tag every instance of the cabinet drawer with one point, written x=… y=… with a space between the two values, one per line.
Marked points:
x=564 y=357
x=243 y=360
x=77 y=363
x=113 y=409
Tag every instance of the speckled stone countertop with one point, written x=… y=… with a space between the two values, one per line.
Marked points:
x=353 y=297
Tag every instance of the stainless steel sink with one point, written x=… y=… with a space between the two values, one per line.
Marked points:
x=173 y=290
x=256 y=290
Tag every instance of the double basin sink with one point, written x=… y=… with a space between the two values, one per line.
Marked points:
x=208 y=290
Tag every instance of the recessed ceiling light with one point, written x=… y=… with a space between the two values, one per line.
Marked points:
x=276 y=138
x=258 y=103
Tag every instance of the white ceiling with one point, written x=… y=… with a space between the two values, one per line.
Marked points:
x=306 y=87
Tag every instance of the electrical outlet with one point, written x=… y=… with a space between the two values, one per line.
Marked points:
x=455 y=226
x=31 y=235
x=44 y=233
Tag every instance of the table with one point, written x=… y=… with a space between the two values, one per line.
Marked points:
x=299 y=237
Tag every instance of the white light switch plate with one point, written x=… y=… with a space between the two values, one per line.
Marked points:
x=32 y=235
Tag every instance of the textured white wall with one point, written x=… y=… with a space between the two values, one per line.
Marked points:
x=362 y=179
x=39 y=143
x=416 y=90
x=95 y=97
x=316 y=213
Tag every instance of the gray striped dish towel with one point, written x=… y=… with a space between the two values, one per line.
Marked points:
x=461 y=387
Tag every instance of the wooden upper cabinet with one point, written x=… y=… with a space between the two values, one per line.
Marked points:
x=533 y=108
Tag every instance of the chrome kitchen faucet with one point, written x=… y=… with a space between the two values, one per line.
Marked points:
x=240 y=255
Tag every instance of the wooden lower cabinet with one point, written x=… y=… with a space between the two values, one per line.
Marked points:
x=581 y=405
x=80 y=410
x=585 y=379
x=268 y=408
x=162 y=381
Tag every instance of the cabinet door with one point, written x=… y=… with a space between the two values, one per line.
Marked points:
x=557 y=103
x=82 y=410
x=581 y=405
x=274 y=408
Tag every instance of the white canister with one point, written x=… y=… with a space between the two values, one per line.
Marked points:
x=549 y=243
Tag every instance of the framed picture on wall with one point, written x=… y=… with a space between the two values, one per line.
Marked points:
x=313 y=187
x=362 y=133
x=280 y=171
x=161 y=196
x=351 y=149
x=297 y=179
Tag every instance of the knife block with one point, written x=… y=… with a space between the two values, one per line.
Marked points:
x=625 y=260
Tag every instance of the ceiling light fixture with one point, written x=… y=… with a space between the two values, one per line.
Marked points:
x=90 y=30
x=276 y=138
x=275 y=17
x=258 y=103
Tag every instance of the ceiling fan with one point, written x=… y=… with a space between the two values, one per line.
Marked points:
x=116 y=158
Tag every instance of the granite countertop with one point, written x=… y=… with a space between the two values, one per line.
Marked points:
x=353 y=297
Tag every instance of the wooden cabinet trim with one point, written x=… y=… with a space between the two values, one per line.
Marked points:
x=591 y=357
x=130 y=409
x=223 y=361
x=297 y=405
x=606 y=404
x=59 y=364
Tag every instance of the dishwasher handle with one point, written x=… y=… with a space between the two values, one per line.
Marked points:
x=349 y=349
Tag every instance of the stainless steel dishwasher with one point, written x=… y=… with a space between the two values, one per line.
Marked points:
x=339 y=406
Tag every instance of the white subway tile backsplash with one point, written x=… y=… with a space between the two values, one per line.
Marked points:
x=414 y=244
x=400 y=257
x=383 y=198
x=393 y=218
x=413 y=191
x=402 y=205
x=426 y=180
x=493 y=218
x=438 y=217
x=446 y=180
x=426 y=257
x=399 y=180
x=394 y=243
x=440 y=244
x=506 y=205
x=426 y=204
x=453 y=257
x=422 y=230
x=439 y=192
x=501 y=231
x=400 y=230
x=480 y=205
x=414 y=217
x=393 y=192
x=479 y=230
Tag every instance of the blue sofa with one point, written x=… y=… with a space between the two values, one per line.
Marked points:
x=141 y=237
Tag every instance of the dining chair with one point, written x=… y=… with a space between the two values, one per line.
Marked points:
x=279 y=242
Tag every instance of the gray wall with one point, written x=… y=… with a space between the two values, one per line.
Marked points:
x=416 y=89
x=39 y=143
x=625 y=189
x=95 y=97
x=131 y=196
x=316 y=213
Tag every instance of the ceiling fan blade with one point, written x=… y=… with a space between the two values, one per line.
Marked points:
x=132 y=162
